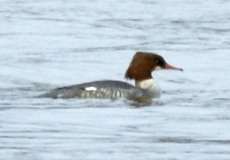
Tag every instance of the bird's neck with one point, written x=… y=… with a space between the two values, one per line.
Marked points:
x=147 y=84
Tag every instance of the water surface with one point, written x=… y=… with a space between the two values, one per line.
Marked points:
x=46 y=44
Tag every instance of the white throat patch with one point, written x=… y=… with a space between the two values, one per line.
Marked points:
x=149 y=85
x=145 y=84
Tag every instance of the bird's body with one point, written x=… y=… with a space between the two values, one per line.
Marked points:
x=140 y=70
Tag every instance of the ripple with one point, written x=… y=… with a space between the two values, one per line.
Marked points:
x=189 y=120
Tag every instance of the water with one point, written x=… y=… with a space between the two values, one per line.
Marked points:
x=46 y=44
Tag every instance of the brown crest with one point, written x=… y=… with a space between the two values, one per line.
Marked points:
x=142 y=65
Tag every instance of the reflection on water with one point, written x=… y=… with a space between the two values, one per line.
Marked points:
x=46 y=44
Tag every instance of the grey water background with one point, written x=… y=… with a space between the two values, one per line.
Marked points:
x=49 y=43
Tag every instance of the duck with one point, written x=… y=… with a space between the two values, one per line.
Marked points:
x=140 y=70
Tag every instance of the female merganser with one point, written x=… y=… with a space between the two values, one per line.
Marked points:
x=140 y=69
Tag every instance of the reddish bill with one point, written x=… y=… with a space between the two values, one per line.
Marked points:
x=169 y=66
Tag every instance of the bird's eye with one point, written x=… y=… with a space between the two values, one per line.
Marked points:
x=159 y=62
